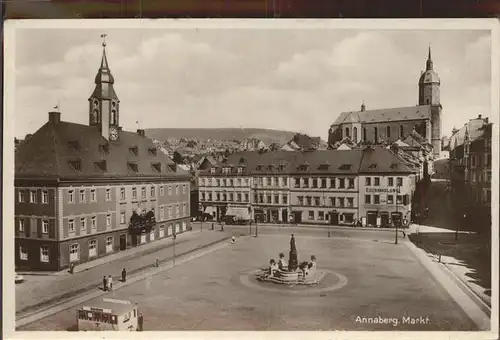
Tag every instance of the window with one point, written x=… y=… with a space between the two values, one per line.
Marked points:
x=347 y=132
x=238 y=197
x=93 y=223
x=375 y=135
x=268 y=181
x=108 y=194
x=317 y=201
x=285 y=199
x=332 y=182
x=71 y=225
x=184 y=186
x=351 y=183
x=21 y=225
x=109 y=244
x=355 y=134
x=162 y=213
x=276 y=199
x=240 y=170
x=122 y=217
x=223 y=184
x=134 y=150
x=177 y=189
x=82 y=196
x=92 y=248
x=309 y=200
x=162 y=190
x=122 y=194
x=184 y=209
x=311 y=215
x=314 y=183
x=76 y=165
x=323 y=182
x=377 y=181
x=301 y=200
x=134 y=193
x=341 y=201
x=332 y=201
x=367 y=199
x=212 y=170
x=376 y=199
x=473 y=161
x=45 y=197
x=285 y=181
x=390 y=181
x=364 y=134
x=390 y=199
x=342 y=183
x=153 y=192
x=297 y=182
x=224 y=197
x=399 y=199
x=368 y=181
x=133 y=167
x=401 y=131
x=83 y=223
x=350 y=202
x=268 y=197
x=388 y=131
x=170 y=190
x=108 y=220
x=399 y=181
x=143 y=192
x=231 y=197
x=209 y=196
x=92 y=195
x=217 y=198
x=306 y=183
x=32 y=196
x=23 y=253
x=21 y=196
x=74 y=252
x=245 y=181
x=44 y=254
x=177 y=210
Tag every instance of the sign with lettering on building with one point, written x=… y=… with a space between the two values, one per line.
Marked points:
x=384 y=190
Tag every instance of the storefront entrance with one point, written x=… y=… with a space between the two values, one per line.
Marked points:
x=371 y=218
x=397 y=218
x=334 y=218
x=384 y=219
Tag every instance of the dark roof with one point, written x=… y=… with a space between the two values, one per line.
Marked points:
x=385 y=115
x=306 y=142
x=474 y=128
x=55 y=148
x=314 y=162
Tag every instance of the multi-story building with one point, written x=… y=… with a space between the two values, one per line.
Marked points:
x=372 y=185
x=388 y=125
x=77 y=187
x=470 y=166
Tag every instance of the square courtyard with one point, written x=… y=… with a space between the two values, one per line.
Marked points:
x=218 y=291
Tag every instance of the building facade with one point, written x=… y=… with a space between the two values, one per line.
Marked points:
x=77 y=187
x=316 y=187
x=385 y=126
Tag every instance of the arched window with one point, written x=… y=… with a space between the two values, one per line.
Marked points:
x=388 y=131
x=113 y=117
x=347 y=132
x=364 y=134
x=401 y=131
x=375 y=135
x=355 y=134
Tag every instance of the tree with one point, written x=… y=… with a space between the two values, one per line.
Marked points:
x=177 y=157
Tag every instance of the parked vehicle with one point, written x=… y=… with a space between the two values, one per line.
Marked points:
x=108 y=315
x=18 y=278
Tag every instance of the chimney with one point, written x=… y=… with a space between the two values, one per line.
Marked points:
x=54 y=117
x=141 y=132
x=486 y=120
x=479 y=117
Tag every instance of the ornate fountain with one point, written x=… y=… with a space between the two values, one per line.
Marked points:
x=294 y=273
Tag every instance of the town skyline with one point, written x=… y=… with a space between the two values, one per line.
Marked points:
x=215 y=79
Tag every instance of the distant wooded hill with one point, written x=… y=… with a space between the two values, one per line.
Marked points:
x=265 y=135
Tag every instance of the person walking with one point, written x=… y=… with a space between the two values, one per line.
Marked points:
x=110 y=282
x=124 y=275
x=140 y=322
x=157 y=262
x=104 y=283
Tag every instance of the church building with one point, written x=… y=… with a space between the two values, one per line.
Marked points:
x=386 y=126
x=84 y=191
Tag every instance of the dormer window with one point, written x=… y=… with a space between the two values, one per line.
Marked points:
x=173 y=167
x=270 y=167
x=372 y=166
x=152 y=151
x=101 y=165
x=394 y=166
x=345 y=167
x=324 y=166
x=212 y=170
x=104 y=148
x=74 y=145
x=134 y=150
x=226 y=170
x=259 y=167
x=75 y=164
x=281 y=167
x=240 y=169
x=156 y=167
x=132 y=166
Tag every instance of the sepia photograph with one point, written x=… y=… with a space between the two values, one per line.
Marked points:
x=253 y=175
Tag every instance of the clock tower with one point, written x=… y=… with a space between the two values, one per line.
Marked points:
x=104 y=105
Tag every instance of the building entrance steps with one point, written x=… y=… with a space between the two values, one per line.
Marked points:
x=39 y=291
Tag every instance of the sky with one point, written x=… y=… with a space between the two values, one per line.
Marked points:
x=288 y=79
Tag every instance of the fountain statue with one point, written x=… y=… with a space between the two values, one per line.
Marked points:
x=293 y=273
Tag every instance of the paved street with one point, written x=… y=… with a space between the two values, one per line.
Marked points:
x=383 y=280
x=39 y=291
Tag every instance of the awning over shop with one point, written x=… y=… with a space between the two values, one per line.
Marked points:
x=238 y=212
x=209 y=210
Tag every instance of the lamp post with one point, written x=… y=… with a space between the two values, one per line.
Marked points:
x=397 y=220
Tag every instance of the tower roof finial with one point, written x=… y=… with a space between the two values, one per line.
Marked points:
x=429 y=59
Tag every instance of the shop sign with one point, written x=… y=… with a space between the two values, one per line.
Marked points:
x=384 y=190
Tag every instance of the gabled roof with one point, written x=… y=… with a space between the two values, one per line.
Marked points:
x=55 y=148
x=385 y=161
x=385 y=115
x=474 y=128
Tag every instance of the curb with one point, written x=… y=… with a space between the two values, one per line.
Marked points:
x=463 y=285
x=69 y=303
x=468 y=304
x=140 y=271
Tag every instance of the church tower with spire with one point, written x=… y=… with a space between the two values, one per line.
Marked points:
x=429 y=94
x=104 y=105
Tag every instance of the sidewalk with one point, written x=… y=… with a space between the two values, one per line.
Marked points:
x=39 y=291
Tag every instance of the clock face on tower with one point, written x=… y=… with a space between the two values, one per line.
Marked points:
x=113 y=133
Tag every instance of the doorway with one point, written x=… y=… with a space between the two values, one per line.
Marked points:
x=123 y=242
x=334 y=218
